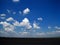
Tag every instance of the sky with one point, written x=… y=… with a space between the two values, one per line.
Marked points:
x=30 y=18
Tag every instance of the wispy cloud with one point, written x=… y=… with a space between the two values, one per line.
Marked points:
x=56 y=27
x=40 y=19
x=9 y=34
x=8 y=11
x=42 y=33
x=3 y=34
x=9 y=19
x=2 y=15
x=49 y=27
x=24 y=33
x=14 y=13
x=15 y=0
x=20 y=12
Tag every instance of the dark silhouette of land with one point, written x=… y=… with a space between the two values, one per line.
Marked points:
x=29 y=41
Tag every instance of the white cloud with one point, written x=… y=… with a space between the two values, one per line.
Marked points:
x=56 y=27
x=3 y=34
x=15 y=0
x=40 y=19
x=25 y=22
x=7 y=26
x=16 y=23
x=24 y=33
x=26 y=11
x=49 y=27
x=35 y=26
x=4 y=23
x=13 y=34
x=9 y=34
x=42 y=33
x=2 y=15
x=53 y=32
x=8 y=11
x=58 y=31
x=47 y=34
x=9 y=19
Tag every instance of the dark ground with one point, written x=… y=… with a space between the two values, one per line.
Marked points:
x=29 y=41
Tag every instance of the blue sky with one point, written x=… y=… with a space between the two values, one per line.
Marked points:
x=36 y=17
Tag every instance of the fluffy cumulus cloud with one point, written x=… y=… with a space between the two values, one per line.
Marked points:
x=35 y=26
x=4 y=23
x=16 y=23
x=26 y=11
x=15 y=0
x=25 y=22
x=9 y=29
x=7 y=26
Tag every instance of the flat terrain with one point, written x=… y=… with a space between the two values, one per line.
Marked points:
x=30 y=41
